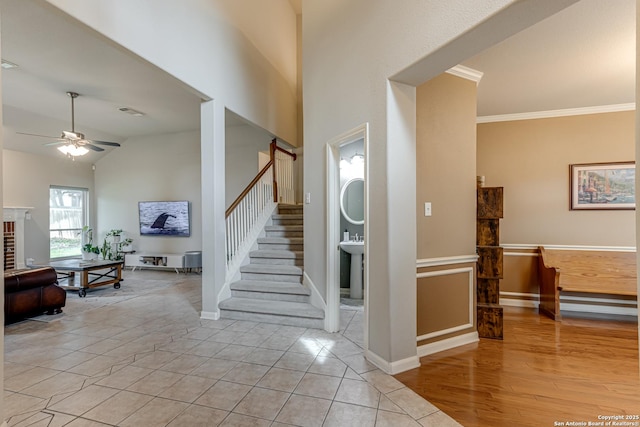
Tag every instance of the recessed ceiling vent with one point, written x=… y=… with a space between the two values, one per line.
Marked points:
x=131 y=111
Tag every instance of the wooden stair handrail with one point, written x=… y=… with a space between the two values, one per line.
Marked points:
x=273 y=147
x=242 y=195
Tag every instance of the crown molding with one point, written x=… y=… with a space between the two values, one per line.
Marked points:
x=466 y=73
x=557 y=113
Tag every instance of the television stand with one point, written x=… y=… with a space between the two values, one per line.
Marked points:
x=154 y=260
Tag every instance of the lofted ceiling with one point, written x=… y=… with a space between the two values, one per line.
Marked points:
x=583 y=56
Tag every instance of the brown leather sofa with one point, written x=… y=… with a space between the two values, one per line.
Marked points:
x=32 y=292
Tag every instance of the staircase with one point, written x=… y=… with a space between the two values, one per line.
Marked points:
x=270 y=289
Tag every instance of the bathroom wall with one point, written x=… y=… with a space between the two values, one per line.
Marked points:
x=446 y=177
x=346 y=152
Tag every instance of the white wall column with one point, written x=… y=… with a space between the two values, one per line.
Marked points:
x=212 y=136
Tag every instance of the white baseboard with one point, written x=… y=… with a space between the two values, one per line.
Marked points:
x=447 y=344
x=210 y=315
x=315 y=299
x=393 y=368
x=599 y=309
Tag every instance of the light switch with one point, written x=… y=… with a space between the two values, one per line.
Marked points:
x=307 y=198
x=427 y=208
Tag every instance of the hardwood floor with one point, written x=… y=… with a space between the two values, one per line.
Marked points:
x=544 y=372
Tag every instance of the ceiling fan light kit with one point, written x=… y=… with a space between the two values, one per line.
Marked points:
x=74 y=143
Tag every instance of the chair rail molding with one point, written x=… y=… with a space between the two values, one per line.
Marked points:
x=451 y=260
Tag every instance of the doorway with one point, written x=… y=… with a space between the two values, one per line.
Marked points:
x=350 y=149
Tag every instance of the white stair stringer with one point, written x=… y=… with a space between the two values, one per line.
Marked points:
x=270 y=287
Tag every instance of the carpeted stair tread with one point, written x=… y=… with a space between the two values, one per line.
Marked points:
x=270 y=287
x=272 y=269
x=281 y=240
x=284 y=228
x=280 y=308
x=270 y=253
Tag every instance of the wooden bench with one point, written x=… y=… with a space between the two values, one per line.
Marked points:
x=585 y=271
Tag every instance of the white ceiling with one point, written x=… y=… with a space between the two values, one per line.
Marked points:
x=56 y=54
x=582 y=56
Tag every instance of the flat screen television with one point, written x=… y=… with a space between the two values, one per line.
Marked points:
x=164 y=218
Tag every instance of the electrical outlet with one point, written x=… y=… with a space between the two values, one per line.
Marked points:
x=427 y=209
x=307 y=198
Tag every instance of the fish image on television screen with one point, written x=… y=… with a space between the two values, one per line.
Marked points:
x=164 y=218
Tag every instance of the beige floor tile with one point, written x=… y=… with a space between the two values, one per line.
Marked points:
x=237 y=420
x=263 y=356
x=242 y=326
x=28 y=378
x=306 y=345
x=321 y=386
x=262 y=403
x=124 y=377
x=387 y=405
x=158 y=412
x=68 y=361
x=77 y=342
x=184 y=364
x=234 y=352
x=223 y=336
x=281 y=379
x=36 y=358
x=246 y=373
x=207 y=348
x=200 y=333
x=351 y=374
x=130 y=349
x=43 y=419
x=118 y=407
x=250 y=339
x=63 y=382
x=358 y=363
x=180 y=345
x=304 y=411
x=383 y=382
x=215 y=368
x=296 y=361
x=83 y=400
x=392 y=419
x=154 y=360
x=223 y=395
x=438 y=419
x=155 y=383
x=19 y=403
x=358 y=393
x=278 y=342
x=344 y=414
x=11 y=369
x=199 y=416
x=411 y=403
x=95 y=366
x=81 y=422
x=328 y=366
x=188 y=388
x=103 y=346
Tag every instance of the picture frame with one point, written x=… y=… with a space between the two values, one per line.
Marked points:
x=602 y=186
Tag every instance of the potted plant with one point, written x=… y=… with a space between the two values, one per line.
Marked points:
x=105 y=250
x=115 y=234
x=89 y=251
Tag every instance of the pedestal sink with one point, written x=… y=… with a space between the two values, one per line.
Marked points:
x=356 y=249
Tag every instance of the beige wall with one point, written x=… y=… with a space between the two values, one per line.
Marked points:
x=445 y=166
x=445 y=176
x=531 y=158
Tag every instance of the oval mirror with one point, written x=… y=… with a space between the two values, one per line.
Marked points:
x=352 y=201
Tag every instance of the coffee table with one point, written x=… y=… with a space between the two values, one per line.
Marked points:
x=92 y=274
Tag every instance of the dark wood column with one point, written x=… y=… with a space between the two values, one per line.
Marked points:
x=489 y=212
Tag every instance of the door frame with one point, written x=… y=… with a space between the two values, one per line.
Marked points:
x=332 y=315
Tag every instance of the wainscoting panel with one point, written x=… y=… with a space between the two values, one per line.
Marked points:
x=446 y=302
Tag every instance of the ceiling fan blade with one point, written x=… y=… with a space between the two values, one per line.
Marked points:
x=35 y=134
x=110 y=144
x=92 y=147
x=62 y=141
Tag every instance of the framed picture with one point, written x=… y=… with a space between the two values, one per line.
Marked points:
x=603 y=186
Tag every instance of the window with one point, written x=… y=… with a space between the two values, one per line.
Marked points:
x=67 y=215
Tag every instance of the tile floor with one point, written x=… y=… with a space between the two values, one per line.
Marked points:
x=141 y=356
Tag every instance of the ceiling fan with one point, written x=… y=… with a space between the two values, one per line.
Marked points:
x=74 y=143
